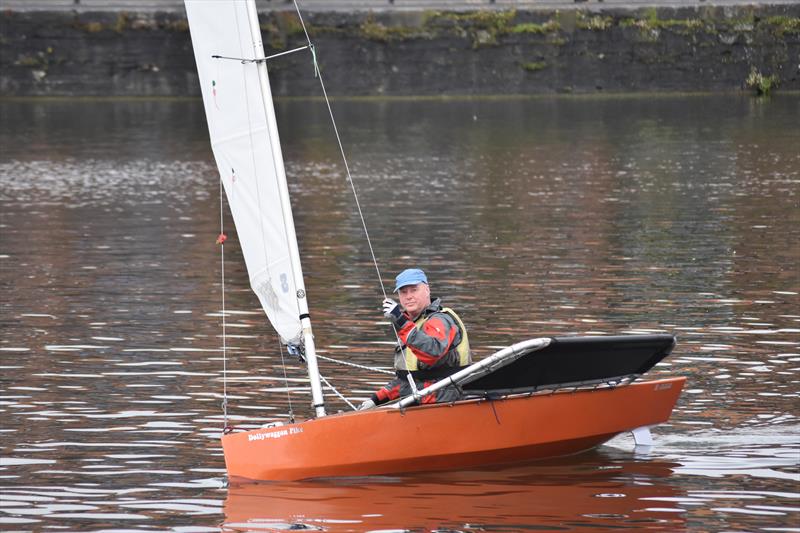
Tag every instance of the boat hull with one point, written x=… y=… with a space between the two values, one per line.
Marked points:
x=448 y=436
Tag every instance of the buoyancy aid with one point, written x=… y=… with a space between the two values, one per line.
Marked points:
x=458 y=356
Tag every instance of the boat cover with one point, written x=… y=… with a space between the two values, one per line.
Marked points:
x=577 y=361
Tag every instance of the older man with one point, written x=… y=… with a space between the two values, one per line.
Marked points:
x=433 y=339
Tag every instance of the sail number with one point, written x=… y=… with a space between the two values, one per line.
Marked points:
x=284 y=282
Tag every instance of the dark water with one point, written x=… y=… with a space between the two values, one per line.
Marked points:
x=532 y=217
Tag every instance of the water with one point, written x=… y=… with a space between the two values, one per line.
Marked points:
x=532 y=217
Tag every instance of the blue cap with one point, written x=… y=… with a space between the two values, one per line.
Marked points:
x=410 y=276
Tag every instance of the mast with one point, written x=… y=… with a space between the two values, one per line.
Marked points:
x=286 y=209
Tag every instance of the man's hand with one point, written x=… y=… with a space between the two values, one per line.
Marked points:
x=367 y=404
x=392 y=311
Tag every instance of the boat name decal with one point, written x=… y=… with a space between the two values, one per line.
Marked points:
x=663 y=386
x=274 y=434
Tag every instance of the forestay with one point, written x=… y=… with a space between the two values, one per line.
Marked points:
x=247 y=151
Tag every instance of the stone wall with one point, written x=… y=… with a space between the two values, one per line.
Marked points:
x=702 y=48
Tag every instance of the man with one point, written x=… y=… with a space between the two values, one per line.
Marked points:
x=433 y=339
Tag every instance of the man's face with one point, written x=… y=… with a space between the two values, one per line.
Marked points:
x=415 y=298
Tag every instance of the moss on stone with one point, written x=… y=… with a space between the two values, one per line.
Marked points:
x=274 y=38
x=740 y=24
x=93 y=27
x=181 y=25
x=539 y=29
x=691 y=25
x=650 y=26
x=533 y=66
x=481 y=27
x=29 y=61
x=122 y=23
x=647 y=31
x=288 y=23
x=376 y=31
x=686 y=24
x=782 y=25
x=497 y=20
x=595 y=23
x=762 y=85
x=40 y=60
x=430 y=16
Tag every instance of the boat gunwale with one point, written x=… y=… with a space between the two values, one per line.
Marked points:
x=466 y=401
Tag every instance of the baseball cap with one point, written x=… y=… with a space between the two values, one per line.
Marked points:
x=410 y=276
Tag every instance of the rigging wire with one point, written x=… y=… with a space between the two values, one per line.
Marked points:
x=221 y=241
x=354 y=365
x=339 y=394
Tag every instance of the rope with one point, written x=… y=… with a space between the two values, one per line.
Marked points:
x=221 y=241
x=354 y=365
x=286 y=381
x=339 y=394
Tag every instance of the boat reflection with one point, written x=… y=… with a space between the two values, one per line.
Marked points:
x=590 y=491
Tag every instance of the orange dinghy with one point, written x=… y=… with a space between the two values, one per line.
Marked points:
x=549 y=407
x=538 y=398
x=443 y=436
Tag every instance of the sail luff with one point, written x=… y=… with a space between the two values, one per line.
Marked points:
x=286 y=209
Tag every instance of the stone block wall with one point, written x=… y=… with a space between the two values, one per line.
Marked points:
x=693 y=48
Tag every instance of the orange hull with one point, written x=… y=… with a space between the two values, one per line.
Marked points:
x=445 y=437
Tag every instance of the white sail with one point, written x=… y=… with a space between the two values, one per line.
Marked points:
x=247 y=152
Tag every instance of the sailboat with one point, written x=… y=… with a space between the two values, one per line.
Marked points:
x=537 y=398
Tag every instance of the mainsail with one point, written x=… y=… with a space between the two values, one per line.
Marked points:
x=241 y=123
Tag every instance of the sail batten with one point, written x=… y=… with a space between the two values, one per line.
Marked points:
x=248 y=157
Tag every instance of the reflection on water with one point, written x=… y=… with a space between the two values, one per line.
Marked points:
x=597 y=491
x=532 y=217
